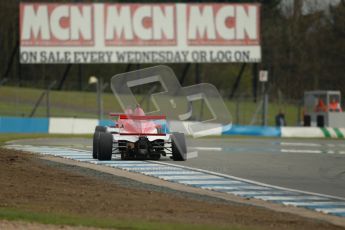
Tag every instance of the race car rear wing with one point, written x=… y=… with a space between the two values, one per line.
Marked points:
x=135 y=117
x=134 y=129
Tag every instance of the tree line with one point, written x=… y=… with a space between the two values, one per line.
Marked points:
x=302 y=50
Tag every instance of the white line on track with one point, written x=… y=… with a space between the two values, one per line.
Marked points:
x=153 y=169
x=311 y=151
x=277 y=198
x=331 y=210
x=176 y=172
x=209 y=182
x=300 y=144
x=300 y=151
x=191 y=155
x=212 y=185
x=206 y=148
x=255 y=193
x=316 y=203
x=250 y=181
x=190 y=177
x=245 y=187
x=132 y=165
x=140 y=169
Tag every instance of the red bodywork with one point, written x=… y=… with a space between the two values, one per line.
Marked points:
x=141 y=125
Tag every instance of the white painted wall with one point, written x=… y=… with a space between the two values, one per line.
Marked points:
x=306 y=132
x=72 y=125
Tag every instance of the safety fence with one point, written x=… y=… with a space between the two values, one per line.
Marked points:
x=42 y=102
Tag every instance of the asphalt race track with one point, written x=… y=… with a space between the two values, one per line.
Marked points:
x=309 y=165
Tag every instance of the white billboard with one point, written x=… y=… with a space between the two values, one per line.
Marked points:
x=139 y=33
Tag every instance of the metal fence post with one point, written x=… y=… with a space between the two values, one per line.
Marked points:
x=48 y=97
x=263 y=78
x=238 y=110
x=99 y=98
x=48 y=102
x=265 y=109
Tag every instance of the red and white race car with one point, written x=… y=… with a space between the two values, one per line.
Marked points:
x=136 y=136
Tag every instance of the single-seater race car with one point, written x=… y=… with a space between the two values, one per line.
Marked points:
x=136 y=136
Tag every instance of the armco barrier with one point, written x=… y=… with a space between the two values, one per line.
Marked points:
x=253 y=131
x=306 y=132
x=235 y=129
x=312 y=132
x=87 y=126
x=72 y=125
x=333 y=132
x=23 y=125
x=106 y=122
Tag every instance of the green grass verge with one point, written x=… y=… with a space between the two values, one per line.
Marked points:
x=16 y=101
x=17 y=136
x=12 y=214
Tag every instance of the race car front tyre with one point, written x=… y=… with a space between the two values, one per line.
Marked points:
x=95 y=145
x=105 y=147
x=178 y=147
x=101 y=129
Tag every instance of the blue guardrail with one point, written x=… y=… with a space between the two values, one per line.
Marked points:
x=41 y=125
x=254 y=131
x=24 y=125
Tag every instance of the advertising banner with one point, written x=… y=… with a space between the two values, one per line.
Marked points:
x=139 y=33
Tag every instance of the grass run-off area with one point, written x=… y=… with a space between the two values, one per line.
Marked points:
x=20 y=102
x=4 y=137
x=12 y=214
x=26 y=214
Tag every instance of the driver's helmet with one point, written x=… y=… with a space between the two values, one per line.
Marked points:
x=139 y=111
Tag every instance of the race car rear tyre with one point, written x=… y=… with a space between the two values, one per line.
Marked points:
x=101 y=129
x=105 y=149
x=178 y=147
x=95 y=145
